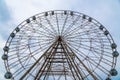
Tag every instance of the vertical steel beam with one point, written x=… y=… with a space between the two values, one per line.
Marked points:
x=28 y=71
x=93 y=76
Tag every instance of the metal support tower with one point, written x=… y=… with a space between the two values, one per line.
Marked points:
x=60 y=45
x=59 y=60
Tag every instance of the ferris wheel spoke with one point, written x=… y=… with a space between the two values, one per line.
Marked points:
x=104 y=61
x=32 y=44
x=38 y=43
x=22 y=48
x=84 y=40
x=44 y=28
x=33 y=38
x=21 y=69
x=26 y=61
x=59 y=45
x=106 y=71
x=29 y=69
x=44 y=21
x=63 y=26
x=83 y=36
x=95 y=50
x=18 y=71
x=34 y=64
x=81 y=33
x=95 y=47
x=98 y=75
x=84 y=53
x=89 y=71
x=35 y=68
x=81 y=69
x=76 y=29
x=95 y=64
x=25 y=57
x=52 y=27
x=78 y=75
x=86 y=61
x=11 y=65
x=77 y=51
x=45 y=64
x=58 y=27
x=100 y=66
x=90 y=66
x=71 y=25
x=35 y=45
x=32 y=53
x=83 y=46
x=37 y=51
x=42 y=33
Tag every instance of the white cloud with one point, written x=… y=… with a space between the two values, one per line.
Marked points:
x=2 y=42
x=22 y=9
x=2 y=68
x=107 y=12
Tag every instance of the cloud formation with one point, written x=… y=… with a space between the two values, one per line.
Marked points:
x=13 y=12
x=4 y=12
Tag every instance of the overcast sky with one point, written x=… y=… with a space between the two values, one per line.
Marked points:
x=13 y=12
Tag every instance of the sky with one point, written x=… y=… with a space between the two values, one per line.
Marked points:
x=13 y=12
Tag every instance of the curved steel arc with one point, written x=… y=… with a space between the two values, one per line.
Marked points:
x=51 y=52
x=60 y=45
x=27 y=72
x=94 y=77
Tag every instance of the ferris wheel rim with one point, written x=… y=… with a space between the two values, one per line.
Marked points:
x=24 y=22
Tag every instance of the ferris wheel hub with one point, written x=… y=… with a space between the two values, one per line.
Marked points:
x=60 y=43
x=59 y=38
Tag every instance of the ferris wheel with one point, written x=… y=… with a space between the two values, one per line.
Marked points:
x=60 y=45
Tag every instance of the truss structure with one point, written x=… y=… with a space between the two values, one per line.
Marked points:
x=60 y=45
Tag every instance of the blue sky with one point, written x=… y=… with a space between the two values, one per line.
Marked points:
x=13 y=12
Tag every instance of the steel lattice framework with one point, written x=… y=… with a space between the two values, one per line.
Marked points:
x=60 y=45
